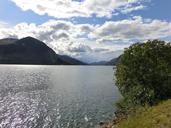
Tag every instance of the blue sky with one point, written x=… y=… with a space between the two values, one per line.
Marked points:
x=13 y=15
x=90 y=30
x=9 y=12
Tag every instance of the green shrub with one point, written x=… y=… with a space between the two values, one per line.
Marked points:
x=143 y=74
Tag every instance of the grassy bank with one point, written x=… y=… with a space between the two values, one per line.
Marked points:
x=158 y=116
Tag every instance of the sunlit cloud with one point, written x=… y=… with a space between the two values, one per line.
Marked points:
x=135 y=28
x=86 y=40
x=86 y=8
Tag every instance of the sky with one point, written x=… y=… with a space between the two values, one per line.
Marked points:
x=89 y=30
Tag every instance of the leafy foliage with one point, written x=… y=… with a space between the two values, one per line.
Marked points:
x=143 y=74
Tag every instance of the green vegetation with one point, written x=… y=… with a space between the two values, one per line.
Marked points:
x=143 y=74
x=153 y=117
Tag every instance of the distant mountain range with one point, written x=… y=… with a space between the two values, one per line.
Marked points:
x=98 y=63
x=71 y=61
x=31 y=51
x=109 y=63
x=113 y=61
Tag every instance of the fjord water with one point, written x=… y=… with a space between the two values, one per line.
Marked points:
x=56 y=96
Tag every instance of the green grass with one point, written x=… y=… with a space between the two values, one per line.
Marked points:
x=150 y=117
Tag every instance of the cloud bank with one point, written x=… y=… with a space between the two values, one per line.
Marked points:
x=85 y=40
x=136 y=28
x=85 y=8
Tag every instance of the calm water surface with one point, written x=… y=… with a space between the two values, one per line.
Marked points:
x=56 y=96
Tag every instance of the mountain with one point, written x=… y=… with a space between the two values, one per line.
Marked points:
x=7 y=41
x=30 y=51
x=99 y=63
x=113 y=61
x=71 y=60
x=110 y=62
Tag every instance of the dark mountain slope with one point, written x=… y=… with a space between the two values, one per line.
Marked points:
x=27 y=51
x=99 y=63
x=71 y=60
x=113 y=61
x=7 y=41
x=108 y=63
x=31 y=51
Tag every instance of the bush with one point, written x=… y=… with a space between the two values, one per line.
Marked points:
x=143 y=74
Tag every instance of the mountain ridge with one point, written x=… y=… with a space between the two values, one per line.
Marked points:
x=29 y=50
x=111 y=62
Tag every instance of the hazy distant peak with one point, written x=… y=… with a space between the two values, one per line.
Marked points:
x=6 y=41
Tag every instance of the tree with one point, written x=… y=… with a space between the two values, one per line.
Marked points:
x=143 y=74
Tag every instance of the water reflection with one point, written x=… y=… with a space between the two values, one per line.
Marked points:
x=56 y=96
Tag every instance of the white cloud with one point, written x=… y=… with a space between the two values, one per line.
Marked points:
x=130 y=9
x=85 y=40
x=55 y=8
x=3 y=24
x=70 y=8
x=132 y=29
x=64 y=37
